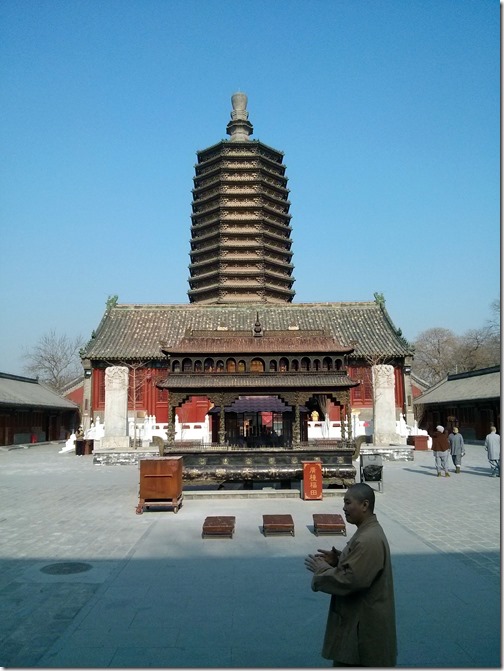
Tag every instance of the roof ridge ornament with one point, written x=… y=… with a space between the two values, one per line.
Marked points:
x=257 y=331
x=379 y=299
x=239 y=128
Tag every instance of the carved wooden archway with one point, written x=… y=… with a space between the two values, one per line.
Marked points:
x=295 y=399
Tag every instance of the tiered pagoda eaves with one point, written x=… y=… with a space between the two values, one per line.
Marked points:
x=240 y=234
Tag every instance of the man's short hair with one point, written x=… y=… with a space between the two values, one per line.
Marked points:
x=363 y=492
x=493 y=428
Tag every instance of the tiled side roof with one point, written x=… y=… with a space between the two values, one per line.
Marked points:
x=73 y=384
x=418 y=382
x=461 y=388
x=16 y=392
x=130 y=332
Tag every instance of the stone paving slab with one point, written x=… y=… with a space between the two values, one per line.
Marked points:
x=158 y=595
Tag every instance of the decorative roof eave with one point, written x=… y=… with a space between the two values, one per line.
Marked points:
x=317 y=382
x=236 y=257
x=218 y=179
x=232 y=344
x=380 y=301
x=250 y=143
x=217 y=208
x=274 y=295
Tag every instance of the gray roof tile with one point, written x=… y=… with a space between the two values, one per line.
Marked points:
x=18 y=391
x=135 y=331
x=463 y=387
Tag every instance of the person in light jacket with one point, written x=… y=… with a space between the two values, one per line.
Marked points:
x=456 y=448
x=492 y=446
x=361 y=626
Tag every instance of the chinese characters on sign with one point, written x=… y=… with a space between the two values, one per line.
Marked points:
x=312 y=480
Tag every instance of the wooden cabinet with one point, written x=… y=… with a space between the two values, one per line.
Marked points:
x=160 y=483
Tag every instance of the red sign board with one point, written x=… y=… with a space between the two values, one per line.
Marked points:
x=312 y=481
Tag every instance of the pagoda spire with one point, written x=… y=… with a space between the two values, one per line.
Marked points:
x=239 y=128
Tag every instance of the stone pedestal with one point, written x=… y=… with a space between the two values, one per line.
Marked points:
x=114 y=443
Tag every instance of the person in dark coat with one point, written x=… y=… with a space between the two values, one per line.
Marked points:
x=361 y=626
x=441 y=450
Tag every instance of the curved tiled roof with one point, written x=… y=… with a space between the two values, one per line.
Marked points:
x=24 y=392
x=264 y=380
x=133 y=332
x=469 y=386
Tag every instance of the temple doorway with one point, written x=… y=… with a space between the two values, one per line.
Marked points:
x=256 y=421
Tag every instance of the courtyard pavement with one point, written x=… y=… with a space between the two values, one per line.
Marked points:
x=151 y=592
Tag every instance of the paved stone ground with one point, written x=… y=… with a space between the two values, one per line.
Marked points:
x=155 y=594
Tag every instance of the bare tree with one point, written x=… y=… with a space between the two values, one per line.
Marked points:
x=478 y=348
x=435 y=354
x=493 y=328
x=494 y=322
x=135 y=391
x=54 y=359
x=439 y=352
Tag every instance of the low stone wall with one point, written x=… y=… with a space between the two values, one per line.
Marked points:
x=123 y=458
x=391 y=452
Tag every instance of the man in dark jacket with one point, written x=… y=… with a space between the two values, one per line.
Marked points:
x=361 y=628
x=441 y=450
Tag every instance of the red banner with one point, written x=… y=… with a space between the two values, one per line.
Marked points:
x=312 y=481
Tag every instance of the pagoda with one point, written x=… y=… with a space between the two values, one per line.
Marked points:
x=240 y=233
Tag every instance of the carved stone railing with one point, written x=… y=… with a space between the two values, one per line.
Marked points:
x=312 y=446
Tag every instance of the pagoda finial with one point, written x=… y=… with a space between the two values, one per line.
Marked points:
x=239 y=128
x=258 y=329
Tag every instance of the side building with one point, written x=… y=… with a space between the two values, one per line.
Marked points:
x=469 y=401
x=31 y=412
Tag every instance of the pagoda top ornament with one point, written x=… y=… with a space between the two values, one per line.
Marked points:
x=239 y=128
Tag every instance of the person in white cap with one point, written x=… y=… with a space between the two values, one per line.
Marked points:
x=441 y=450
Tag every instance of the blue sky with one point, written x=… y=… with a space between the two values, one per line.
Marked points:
x=387 y=111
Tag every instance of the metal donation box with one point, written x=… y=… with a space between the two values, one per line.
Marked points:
x=312 y=481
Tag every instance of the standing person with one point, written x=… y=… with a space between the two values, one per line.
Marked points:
x=492 y=446
x=441 y=450
x=456 y=448
x=361 y=629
